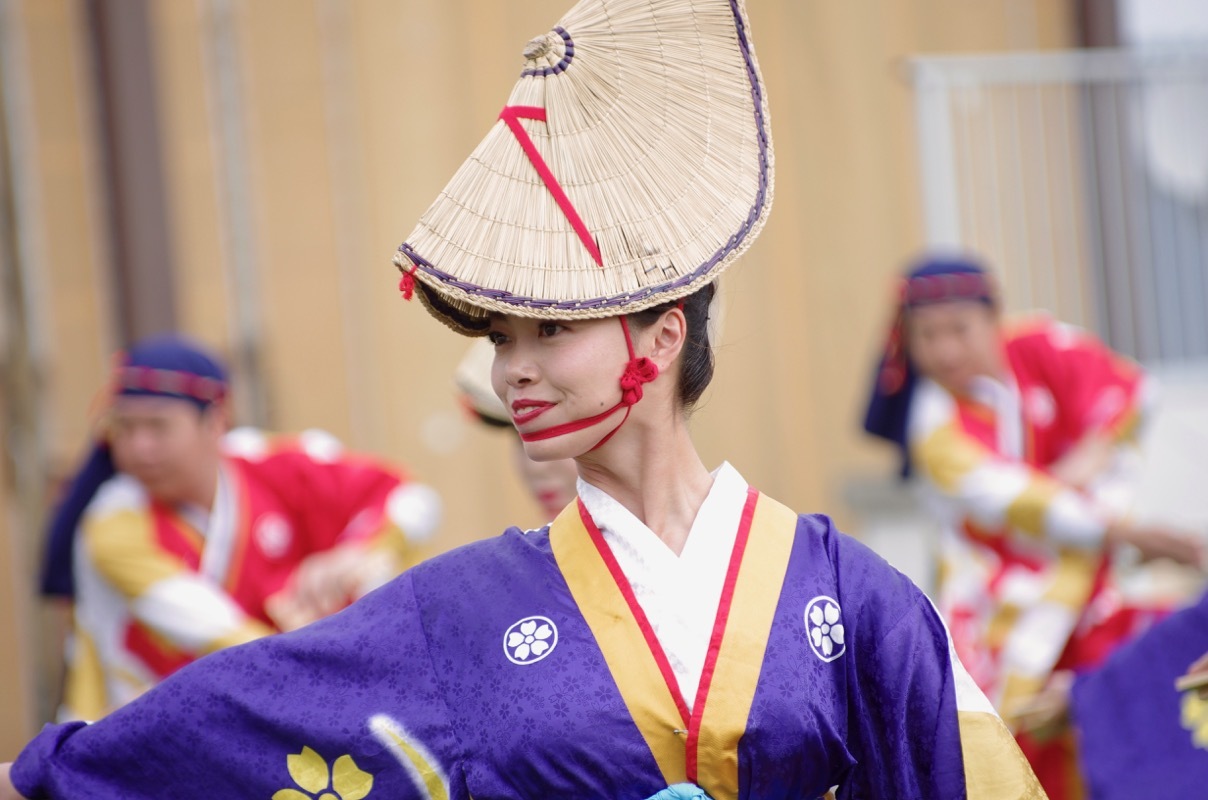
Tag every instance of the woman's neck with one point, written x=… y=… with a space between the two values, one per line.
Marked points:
x=655 y=473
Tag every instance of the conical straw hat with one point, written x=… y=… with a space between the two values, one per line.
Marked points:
x=631 y=165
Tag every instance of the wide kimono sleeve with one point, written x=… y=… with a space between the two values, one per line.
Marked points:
x=918 y=725
x=349 y=707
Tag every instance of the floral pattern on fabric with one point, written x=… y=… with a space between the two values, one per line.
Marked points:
x=344 y=781
x=530 y=640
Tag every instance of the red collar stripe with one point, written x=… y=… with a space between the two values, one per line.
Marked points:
x=692 y=719
x=635 y=608
x=719 y=629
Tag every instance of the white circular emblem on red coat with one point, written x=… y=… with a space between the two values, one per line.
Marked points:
x=1040 y=406
x=273 y=535
x=1108 y=406
x=824 y=624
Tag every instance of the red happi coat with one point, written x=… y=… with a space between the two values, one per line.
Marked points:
x=157 y=591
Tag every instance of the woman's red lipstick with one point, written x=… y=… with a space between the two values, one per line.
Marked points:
x=524 y=411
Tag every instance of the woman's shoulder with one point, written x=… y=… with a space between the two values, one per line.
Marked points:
x=1033 y=330
x=863 y=580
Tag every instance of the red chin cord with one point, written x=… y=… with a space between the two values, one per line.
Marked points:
x=637 y=372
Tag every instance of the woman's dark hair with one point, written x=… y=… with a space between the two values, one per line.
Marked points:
x=696 y=366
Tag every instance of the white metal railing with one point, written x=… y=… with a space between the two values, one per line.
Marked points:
x=1083 y=178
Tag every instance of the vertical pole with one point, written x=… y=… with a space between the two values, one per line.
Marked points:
x=132 y=165
x=234 y=164
x=941 y=196
x=22 y=458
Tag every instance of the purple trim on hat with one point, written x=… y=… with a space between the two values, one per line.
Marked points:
x=624 y=299
x=567 y=57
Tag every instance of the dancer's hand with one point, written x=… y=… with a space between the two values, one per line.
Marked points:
x=326 y=582
x=1154 y=541
x=1045 y=715
x=1085 y=462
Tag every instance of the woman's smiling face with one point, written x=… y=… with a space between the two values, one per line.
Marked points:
x=550 y=373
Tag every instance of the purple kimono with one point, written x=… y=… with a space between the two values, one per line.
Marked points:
x=521 y=667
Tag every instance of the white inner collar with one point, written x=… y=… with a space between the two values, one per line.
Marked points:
x=679 y=594
x=220 y=528
x=1003 y=397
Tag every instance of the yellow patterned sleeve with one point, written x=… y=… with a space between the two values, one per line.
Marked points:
x=188 y=610
x=121 y=545
x=84 y=695
x=995 y=493
x=995 y=767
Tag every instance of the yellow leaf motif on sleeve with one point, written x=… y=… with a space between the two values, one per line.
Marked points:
x=350 y=782
x=345 y=780
x=1195 y=719
x=308 y=769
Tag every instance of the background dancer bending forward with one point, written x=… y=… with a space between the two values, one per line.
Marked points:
x=1021 y=435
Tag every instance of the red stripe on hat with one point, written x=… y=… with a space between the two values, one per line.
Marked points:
x=511 y=115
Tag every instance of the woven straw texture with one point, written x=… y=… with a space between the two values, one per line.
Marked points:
x=657 y=132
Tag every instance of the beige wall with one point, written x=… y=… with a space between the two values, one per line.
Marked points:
x=17 y=666
x=61 y=226
x=352 y=117
x=51 y=137
x=846 y=217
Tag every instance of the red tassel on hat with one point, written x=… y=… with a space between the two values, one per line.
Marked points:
x=406 y=284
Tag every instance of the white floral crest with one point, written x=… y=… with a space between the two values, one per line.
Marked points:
x=825 y=627
x=530 y=640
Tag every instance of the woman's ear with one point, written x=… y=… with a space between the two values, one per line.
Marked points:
x=670 y=333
